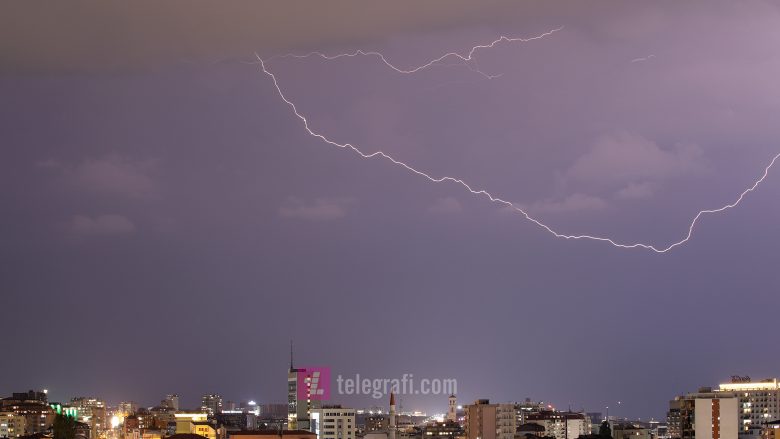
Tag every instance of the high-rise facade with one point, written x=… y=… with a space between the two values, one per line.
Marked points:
x=91 y=411
x=715 y=418
x=299 y=401
x=333 y=422
x=128 y=407
x=171 y=401
x=674 y=417
x=705 y=414
x=212 y=404
x=759 y=403
x=490 y=421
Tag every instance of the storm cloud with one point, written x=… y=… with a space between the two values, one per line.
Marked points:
x=157 y=192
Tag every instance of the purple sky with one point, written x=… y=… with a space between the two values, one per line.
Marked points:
x=169 y=226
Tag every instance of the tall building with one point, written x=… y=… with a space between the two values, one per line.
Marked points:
x=391 y=425
x=211 y=404
x=91 y=411
x=452 y=409
x=333 y=422
x=299 y=401
x=674 y=417
x=171 y=401
x=704 y=415
x=715 y=417
x=128 y=408
x=759 y=403
x=490 y=421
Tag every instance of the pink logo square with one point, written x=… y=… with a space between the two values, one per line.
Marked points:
x=314 y=383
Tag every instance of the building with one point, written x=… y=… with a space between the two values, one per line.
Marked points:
x=759 y=403
x=299 y=401
x=269 y=434
x=523 y=409
x=674 y=417
x=12 y=425
x=716 y=418
x=658 y=429
x=452 y=409
x=380 y=426
x=171 y=401
x=561 y=425
x=595 y=419
x=529 y=431
x=237 y=420
x=392 y=419
x=442 y=430
x=771 y=430
x=211 y=404
x=627 y=430
x=300 y=405
x=376 y=422
x=490 y=421
x=704 y=415
x=159 y=417
x=127 y=408
x=153 y=434
x=185 y=421
x=333 y=422
x=91 y=411
x=82 y=430
x=155 y=418
x=273 y=411
x=185 y=436
x=207 y=430
x=33 y=407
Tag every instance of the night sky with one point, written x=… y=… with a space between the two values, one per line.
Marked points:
x=168 y=226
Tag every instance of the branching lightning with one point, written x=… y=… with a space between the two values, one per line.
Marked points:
x=468 y=59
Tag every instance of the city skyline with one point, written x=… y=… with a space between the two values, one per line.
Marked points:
x=187 y=187
x=742 y=407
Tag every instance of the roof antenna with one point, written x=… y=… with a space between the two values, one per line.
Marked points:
x=291 y=355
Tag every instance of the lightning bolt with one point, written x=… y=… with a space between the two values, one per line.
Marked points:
x=467 y=59
x=645 y=58
x=482 y=192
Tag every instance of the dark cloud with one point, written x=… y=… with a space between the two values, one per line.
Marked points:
x=118 y=35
